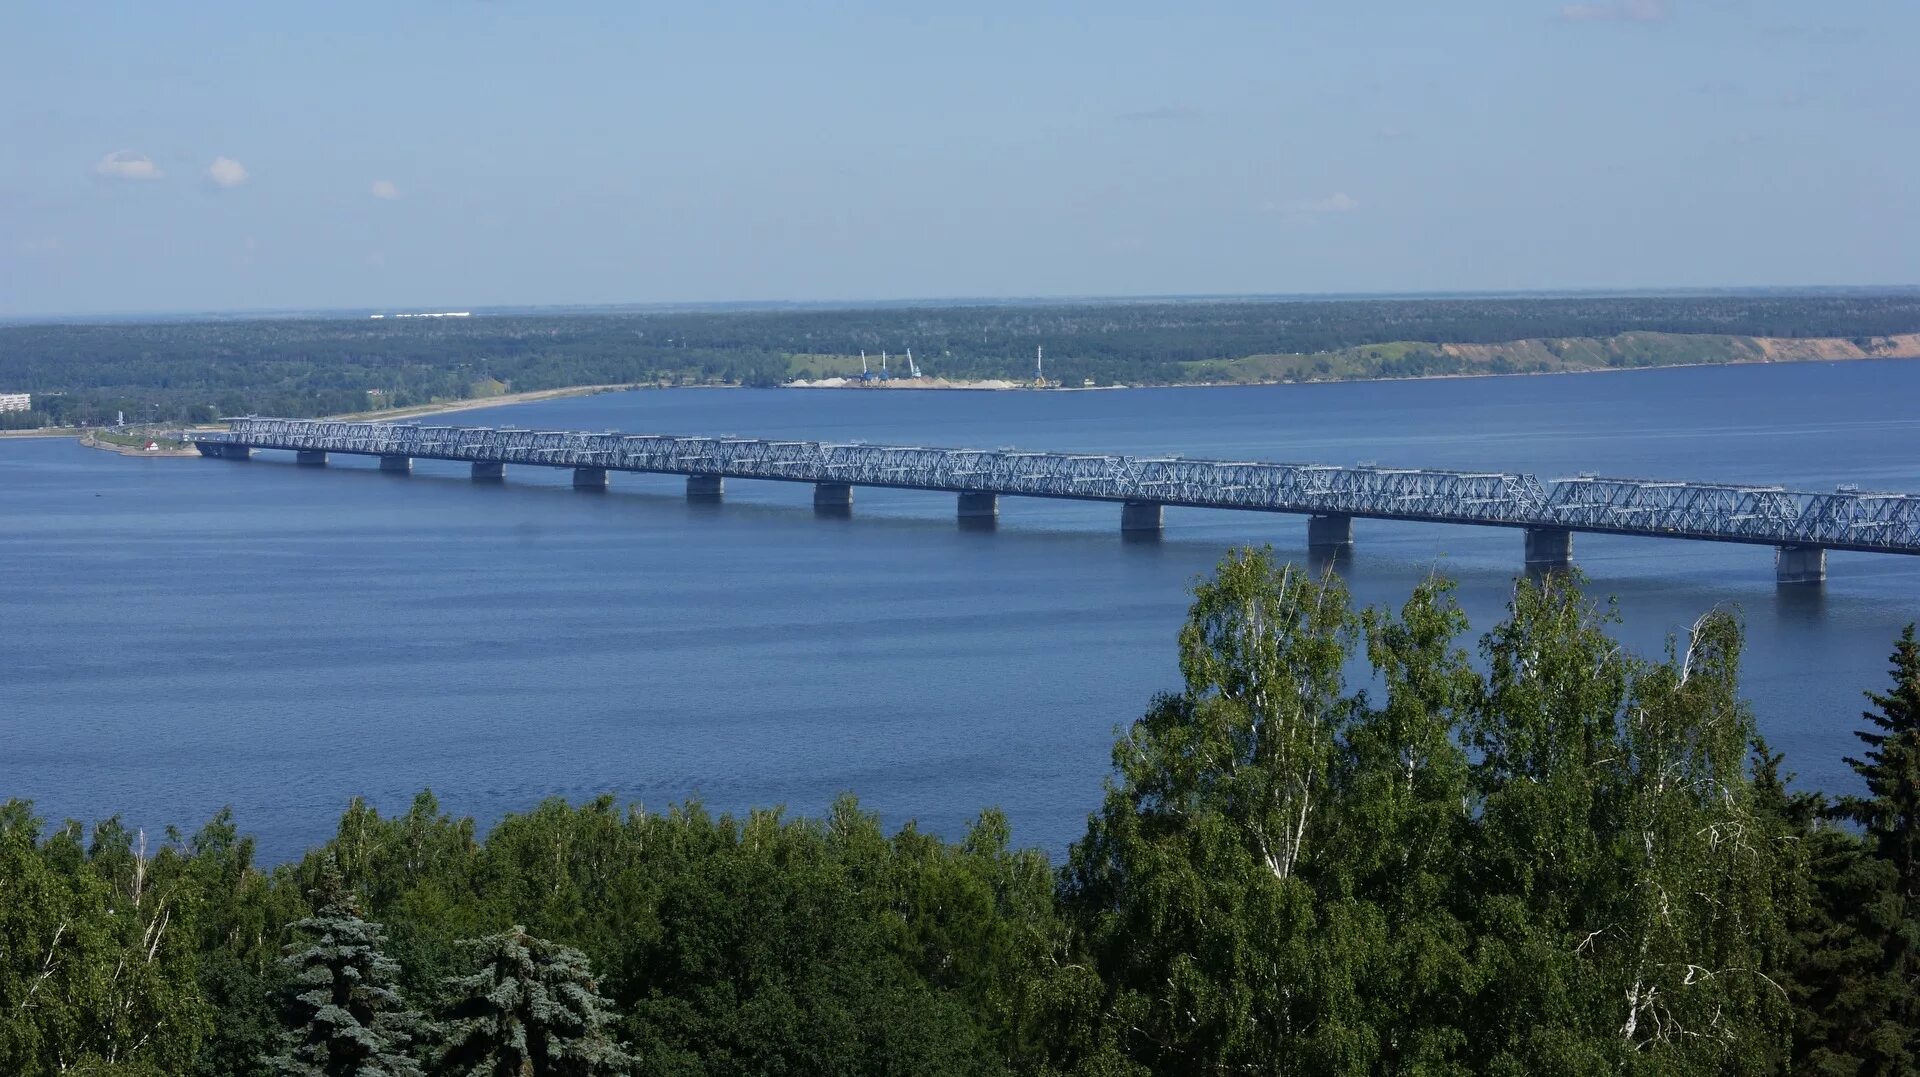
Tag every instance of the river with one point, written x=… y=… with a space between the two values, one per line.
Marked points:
x=178 y=635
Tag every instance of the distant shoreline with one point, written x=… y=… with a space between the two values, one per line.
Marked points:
x=907 y=385
x=474 y=403
x=983 y=385
x=1465 y=374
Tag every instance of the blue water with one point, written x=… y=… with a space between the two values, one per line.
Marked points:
x=182 y=634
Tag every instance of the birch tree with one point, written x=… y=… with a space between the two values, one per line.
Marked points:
x=1190 y=880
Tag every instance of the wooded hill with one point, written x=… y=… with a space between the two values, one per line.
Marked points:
x=192 y=371
x=1561 y=858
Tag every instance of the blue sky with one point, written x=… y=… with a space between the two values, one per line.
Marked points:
x=434 y=153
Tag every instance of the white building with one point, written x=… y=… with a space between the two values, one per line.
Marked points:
x=16 y=401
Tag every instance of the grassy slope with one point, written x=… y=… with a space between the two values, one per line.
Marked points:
x=1413 y=358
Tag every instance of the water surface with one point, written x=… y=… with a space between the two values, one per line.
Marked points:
x=178 y=635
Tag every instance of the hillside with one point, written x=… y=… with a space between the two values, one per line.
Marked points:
x=1412 y=359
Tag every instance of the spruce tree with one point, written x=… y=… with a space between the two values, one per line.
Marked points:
x=1891 y=767
x=343 y=1016
x=1888 y=814
x=530 y=1009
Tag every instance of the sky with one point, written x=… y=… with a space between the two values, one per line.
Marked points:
x=448 y=154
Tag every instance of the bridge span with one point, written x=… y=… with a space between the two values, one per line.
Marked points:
x=1801 y=526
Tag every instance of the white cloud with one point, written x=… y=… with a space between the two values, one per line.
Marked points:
x=1616 y=11
x=385 y=189
x=227 y=172
x=126 y=164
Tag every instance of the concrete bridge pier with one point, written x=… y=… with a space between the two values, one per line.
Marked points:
x=1140 y=516
x=1328 y=533
x=979 y=506
x=705 y=487
x=236 y=452
x=399 y=465
x=1549 y=548
x=1800 y=564
x=489 y=471
x=310 y=458
x=589 y=478
x=833 y=498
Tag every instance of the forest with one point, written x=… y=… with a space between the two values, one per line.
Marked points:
x=1524 y=852
x=191 y=371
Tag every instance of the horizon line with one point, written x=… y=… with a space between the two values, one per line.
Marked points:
x=936 y=302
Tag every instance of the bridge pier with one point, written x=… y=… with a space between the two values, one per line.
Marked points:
x=310 y=458
x=589 y=478
x=399 y=465
x=834 y=498
x=979 y=506
x=489 y=471
x=1800 y=564
x=1140 y=516
x=236 y=452
x=1329 y=532
x=705 y=487
x=1549 y=547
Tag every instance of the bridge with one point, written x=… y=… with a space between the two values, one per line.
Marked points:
x=1801 y=526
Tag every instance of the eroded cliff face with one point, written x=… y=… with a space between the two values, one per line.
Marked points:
x=1666 y=349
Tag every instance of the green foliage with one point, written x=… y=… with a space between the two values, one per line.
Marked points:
x=97 y=952
x=1187 y=883
x=1890 y=812
x=1290 y=877
x=1855 y=944
x=530 y=1009
x=756 y=945
x=342 y=1014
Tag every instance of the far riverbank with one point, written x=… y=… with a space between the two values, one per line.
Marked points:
x=474 y=403
x=1249 y=372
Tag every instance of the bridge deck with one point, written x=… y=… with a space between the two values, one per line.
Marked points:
x=1715 y=512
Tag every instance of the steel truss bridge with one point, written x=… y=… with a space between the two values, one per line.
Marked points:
x=1802 y=525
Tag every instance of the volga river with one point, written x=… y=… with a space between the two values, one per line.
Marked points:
x=177 y=635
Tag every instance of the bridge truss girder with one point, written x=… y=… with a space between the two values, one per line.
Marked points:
x=1846 y=520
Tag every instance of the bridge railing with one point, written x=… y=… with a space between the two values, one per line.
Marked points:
x=1840 y=520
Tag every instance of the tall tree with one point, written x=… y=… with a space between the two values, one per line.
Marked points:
x=1622 y=885
x=1402 y=816
x=530 y=1009
x=1189 y=883
x=1890 y=811
x=1874 y=923
x=342 y=1015
x=1547 y=802
x=1697 y=936
x=97 y=952
x=1850 y=1008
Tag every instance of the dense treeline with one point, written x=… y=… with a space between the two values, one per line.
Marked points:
x=1557 y=859
x=194 y=370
